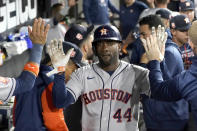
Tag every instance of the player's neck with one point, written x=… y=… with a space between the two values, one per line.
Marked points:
x=177 y=42
x=162 y=6
x=129 y=4
x=111 y=67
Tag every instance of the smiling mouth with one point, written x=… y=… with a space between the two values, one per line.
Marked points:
x=106 y=55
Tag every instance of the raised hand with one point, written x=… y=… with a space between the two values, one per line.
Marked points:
x=155 y=45
x=38 y=33
x=58 y=57
x=161 y=36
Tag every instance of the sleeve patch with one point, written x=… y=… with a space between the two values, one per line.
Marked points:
x=4 y=81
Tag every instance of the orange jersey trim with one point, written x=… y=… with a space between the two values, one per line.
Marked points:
x=32 y=67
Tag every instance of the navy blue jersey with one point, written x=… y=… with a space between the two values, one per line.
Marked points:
x=129 y=17
x=96 y=11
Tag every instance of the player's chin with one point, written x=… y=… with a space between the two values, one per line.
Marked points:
x=105 y=61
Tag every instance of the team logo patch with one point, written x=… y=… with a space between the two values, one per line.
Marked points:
x=90 y=78
x=103 y=31
x=4 y=80
x=187 y=4
x=79 y=36
x=73 y=54
x=186 y=20
x=170 y=16
x=131 y=11
x=173 y=25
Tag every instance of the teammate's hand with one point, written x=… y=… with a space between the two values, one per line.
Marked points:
x=151 y=45
x=38 y=33
x=144 y=59
x=161 y=36
x=58 y=58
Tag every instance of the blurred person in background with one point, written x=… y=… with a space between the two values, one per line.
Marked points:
x=179 y=26
x=187 y=8
x=57 y=30
x=96 y=11
x=129 y=15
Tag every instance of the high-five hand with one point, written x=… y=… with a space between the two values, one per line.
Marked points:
x=38 y=33
x=161 y=36
x=58 y=57
x=155 y=44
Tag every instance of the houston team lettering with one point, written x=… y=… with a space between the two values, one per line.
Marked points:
x=100 y=94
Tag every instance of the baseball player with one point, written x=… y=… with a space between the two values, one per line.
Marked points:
x=181 y=86
x=25 y=82
x=110 y=88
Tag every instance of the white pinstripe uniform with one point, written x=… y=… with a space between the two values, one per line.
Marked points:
x=110 y=103
x=7 y=87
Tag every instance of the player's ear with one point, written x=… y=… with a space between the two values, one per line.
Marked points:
x=119 y=47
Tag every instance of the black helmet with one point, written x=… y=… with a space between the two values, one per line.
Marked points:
x=107 y=32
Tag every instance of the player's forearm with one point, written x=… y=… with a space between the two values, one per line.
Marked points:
x=24 y=82
x=61 y=97
x=162 y=90
x=27 y=78
x=36 y=53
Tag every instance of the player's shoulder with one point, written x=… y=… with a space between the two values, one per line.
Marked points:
x=84 y=69
x=136 y=70
x=141 y=4
x=134 y=67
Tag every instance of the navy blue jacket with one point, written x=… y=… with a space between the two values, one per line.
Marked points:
x=158 y=114
x=28 y=109
x=96 y=11
x=129 y=17
x=181 y=86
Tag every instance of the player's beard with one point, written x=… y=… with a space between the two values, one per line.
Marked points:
x=109 y=60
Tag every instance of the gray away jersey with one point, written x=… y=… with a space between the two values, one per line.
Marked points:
x=110 y=103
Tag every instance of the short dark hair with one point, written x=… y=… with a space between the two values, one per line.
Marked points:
x=152 y=21
x=55 y=6
x=161 y=1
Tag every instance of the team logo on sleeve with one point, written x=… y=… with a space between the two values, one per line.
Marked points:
x=186 y=20
x=4 y=80
x=173 y=25
x=79 y=36
x=187 y=4
x=73 y=54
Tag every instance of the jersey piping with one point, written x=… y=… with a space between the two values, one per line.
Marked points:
x=111 y=92
x=102 y=96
